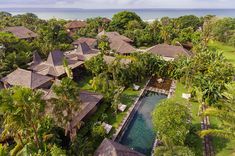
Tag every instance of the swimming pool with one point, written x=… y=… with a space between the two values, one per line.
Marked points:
x=139 y=134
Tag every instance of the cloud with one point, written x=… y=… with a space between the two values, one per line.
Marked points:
x=119 y=3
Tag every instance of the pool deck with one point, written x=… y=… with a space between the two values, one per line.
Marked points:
x=132 y=110
x=170 y=94
x=130 y=113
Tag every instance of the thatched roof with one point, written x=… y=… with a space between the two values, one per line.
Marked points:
x=84 y=49
x=88 y=99
x=114 y=35
x=36 y=58
x=25 y=78
x=121 y=46
x=111 y=59
x=76 y=24
x=119 y=43
x=89 y=41
x=55 y=58
x=170 y=51
x=111 y=148
x=54 y=64
x=21 y=32
x=106 y=20
x=82 y=53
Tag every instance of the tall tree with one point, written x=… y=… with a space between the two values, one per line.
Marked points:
x=224 y=112
x=66 y=104
x=22 y=113
x=171 y=128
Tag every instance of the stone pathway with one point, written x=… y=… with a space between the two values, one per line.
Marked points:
x=207 y=140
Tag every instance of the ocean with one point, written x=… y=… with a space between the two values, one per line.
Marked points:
x=145 y=14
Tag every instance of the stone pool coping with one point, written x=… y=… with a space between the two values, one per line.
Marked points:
x=132 y=110
x=170 y=94
x=130 y=113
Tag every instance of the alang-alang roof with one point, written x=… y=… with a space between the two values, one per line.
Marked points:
x=21 y=32
x=25 y=78
x=88 y=41
x=76 y=24
x=171 y=51
x=119 y=43
x=111 y=148
x=53 y=66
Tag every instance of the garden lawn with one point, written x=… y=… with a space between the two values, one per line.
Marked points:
x=228 y=51
x=128 y=98
x=195 y=140
x=223 y=146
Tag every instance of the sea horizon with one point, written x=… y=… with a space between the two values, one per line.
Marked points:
x=146 y=14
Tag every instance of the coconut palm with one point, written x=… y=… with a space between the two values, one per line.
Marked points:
x=66 y=104
x=225 y=113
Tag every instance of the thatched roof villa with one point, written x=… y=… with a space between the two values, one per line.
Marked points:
x=118 y=43
x=25 y=78
x=21 y=32
x=54 y=65
x=89 y=103
x=91 y=42
x=111 y=148
x=73 y=26
x=169 y=52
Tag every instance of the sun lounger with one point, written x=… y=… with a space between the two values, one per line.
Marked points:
x=186 y=96
x=136 y=87
x=121 y=107
x=107 y=127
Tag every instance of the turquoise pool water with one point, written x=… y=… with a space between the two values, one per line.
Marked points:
x=139 y=134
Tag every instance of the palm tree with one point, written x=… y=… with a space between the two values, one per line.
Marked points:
x=67 y=103
x=225 y=113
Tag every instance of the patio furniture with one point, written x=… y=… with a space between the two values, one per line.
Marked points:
x=160 y=80
x=186 y=96
x=121 y=107
x=136 y=87
x=107 y=127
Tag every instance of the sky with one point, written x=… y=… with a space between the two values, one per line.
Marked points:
x=100 y=4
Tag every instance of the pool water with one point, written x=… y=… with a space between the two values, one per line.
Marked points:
x=139 y=134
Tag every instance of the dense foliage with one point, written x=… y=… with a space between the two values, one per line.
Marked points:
x=172 y=128
x=207 y=70
x=206 y=75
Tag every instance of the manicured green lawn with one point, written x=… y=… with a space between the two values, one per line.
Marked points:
x=228 y=51
x=128 y=98
x=195 y=140
x=223 y=147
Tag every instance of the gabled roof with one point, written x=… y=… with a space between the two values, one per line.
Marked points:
x=55 y=58
x=88 y=41
x=21 y=32
x=25 y=78
x=171 y=51
x=76 y=24
x=111 y=148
